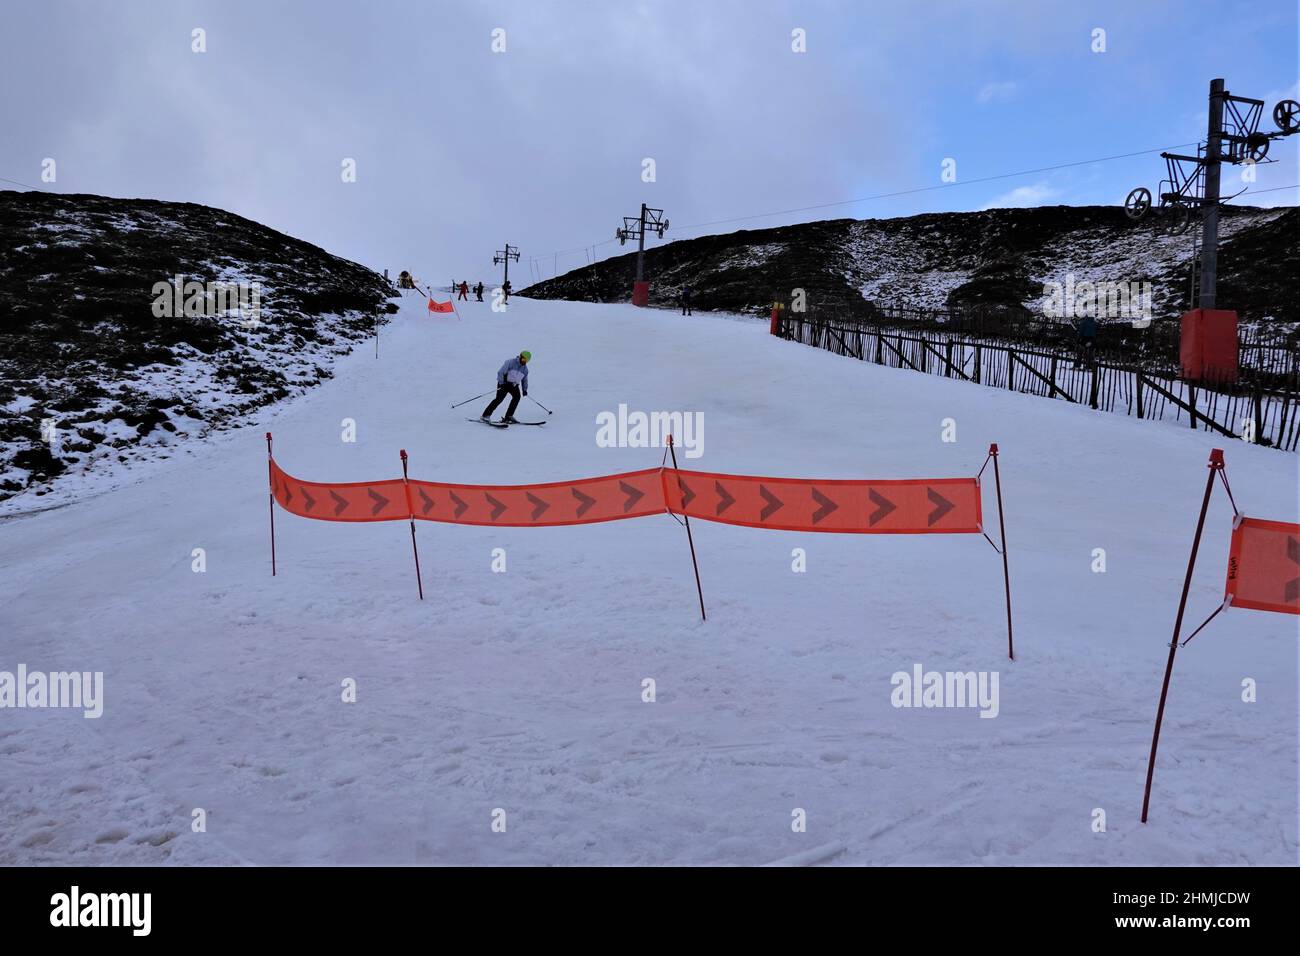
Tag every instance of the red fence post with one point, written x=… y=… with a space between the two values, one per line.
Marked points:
x=270 y=498
x=410 y=509
x=1215 y=465
x=1002 y=533
x=690 y=540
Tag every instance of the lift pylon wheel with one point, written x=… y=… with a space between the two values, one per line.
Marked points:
x=1257 y=147
x=1287 y=116
x=1137 y=203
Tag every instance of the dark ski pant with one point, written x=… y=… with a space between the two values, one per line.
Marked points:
x=502 y=392
x=686 y=307
x=1087 y=354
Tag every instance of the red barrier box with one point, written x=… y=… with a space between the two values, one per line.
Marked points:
x=1208 y=346
x=641 y=294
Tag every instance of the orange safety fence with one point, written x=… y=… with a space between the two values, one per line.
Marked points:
x=852 y=506
x=901 y=506
x=348 y=501
x=907 y=506
x=633 y=494
x=1264 y=566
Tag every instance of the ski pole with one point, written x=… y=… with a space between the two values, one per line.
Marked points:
x=468 y=400
x=541 y=406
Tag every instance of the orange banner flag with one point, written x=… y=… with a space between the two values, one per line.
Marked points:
x=441 y=306
x=1264 y=566
x=346 y=501
x=908 y=506
x=633 y=494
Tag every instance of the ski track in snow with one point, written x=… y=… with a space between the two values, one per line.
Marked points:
x=522 y=690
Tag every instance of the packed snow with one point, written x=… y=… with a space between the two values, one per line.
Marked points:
x=518 y=696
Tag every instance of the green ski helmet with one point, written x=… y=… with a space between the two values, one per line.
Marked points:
x=526 y=355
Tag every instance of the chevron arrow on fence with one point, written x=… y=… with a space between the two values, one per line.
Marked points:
x=827 y=506
x=942 y=506
x=633 y=495
x=460 y=505
x=773 y=503
x=883 y=506
x=584 y=502
x=687 y=495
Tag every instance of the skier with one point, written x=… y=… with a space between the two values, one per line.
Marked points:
x=506 y=290
x=511 y=377
x=478 y=290
x=464 y=291
x=1087 y=329
x=686 y=300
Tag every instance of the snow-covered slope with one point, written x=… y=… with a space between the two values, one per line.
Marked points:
x=98 y=377
x=523 y=690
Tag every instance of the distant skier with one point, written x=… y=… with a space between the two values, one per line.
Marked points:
x=505 y=291
x=1087 y=341
x=478 y=290
x=512 y=377
x=464 y=291
x=686 y=300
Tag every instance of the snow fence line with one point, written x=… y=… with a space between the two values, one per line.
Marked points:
x=835 y=505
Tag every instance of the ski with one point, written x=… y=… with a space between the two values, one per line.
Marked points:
x=526 y=423
x=493 y=424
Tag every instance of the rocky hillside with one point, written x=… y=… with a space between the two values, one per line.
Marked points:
x=97 y=367
x=995 y=257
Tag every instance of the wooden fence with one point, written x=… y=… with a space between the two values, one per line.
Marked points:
x=1274 y=413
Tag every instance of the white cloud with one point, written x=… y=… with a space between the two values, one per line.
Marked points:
x=1003 y=90
x=1035 y=194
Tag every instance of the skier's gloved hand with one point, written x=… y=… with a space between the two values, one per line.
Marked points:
x=525 y=393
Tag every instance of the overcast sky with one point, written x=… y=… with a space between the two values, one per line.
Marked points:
x=459 y=148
